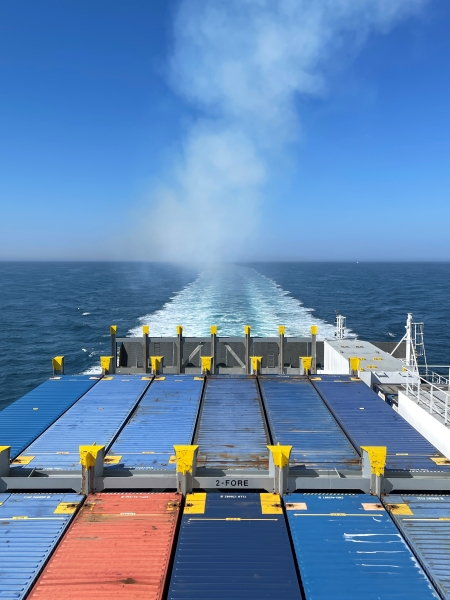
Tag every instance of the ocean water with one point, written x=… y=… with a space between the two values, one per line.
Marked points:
x=48 y=309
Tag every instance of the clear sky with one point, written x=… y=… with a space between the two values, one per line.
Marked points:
x=234 y=129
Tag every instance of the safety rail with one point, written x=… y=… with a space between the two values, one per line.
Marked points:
x=435 y=397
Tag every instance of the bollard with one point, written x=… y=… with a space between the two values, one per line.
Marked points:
x=206 y=364
x=354 y=363
x=281 y=330
x=279 y=467
x=374 y=461
x=156 y=364
x=91 y=459
x=145 y=331
x=58 y=365
x=247 y=329
x=305 y=363
x=213 y=348
x=106 y=364
x=186 y=467
x=5 y=460
x=314 y=349
x=113 y=331
x=179 y=347
x=256 y=364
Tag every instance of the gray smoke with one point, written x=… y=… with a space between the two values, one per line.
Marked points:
x=244 y=65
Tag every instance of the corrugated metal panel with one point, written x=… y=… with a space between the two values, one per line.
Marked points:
x=166 y=415
x=231 y=432
x=298 y=417
x=233 y=546
x=97 y=417
x=118 y=546
x=368 y=420
x=424 y=521
x=24 y=420
x=30 y=527
x=348 y=547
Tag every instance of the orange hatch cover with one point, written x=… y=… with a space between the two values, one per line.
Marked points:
x=118 y=546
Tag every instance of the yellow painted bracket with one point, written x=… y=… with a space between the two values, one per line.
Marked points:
x=281 y=329
x=58 y=363
x=306 y=362
x=106 y=363
x=4 y=449
x=179 y=329
x=195 y=504
x=145 y=329
x=256 y=363
x=247 y=329
x=377 y=457
x=206 y=363
x=156 y=363
x=66 y=508
x=185 y=458
x=113 y=329
x=281 y=455
x=354 y=363
x=314 y=329
x=271 y=504
x=88 y=455
x=213 y=329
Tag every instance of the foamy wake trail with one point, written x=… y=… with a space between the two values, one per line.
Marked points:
x=231 y=297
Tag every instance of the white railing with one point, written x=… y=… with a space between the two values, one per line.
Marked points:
x=432 y=393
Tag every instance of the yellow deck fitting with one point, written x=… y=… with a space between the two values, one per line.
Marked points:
x=145 y=329
x=247 y=329
x=195 y=504
x=66 y=508
x=58 y=363
x=306 y=362
x=112 y=459
x=377 y=457
x=256 y=363
x=354 y=363
x=271 y=504
x=185 y=458
x=206 y=363
x=179 y=329
x=314 y=329
x=281 y=329
x=156 y=363
x=281 y=455
x=113 y=329
x=88 y=455
x=23 y=460
x=213 y=329
x=399 y=509
x=106 y=363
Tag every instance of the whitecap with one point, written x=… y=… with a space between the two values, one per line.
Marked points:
x=85 y=314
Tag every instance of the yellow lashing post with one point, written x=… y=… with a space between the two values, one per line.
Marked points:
x=279 y=467
x=256 y=364
x=373 y=463
x=58 y=365
x=186 y=466
x=213 y=348
x=281 y=331
x=145 y=332
x=354 y=362
x=106 y=364
x=91 y=460
x=156 y=364
x=5 y=454
x=306 y=364
x=206 y=363
x=113 y=332
x=247 y=330
x=179 y=348
x=314 y=349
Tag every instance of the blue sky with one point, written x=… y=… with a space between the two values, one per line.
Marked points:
x=119 y=139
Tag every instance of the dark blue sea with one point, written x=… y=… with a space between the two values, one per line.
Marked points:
x=54 y=308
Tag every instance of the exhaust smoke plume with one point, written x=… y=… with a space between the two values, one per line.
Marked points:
x=244 y=65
